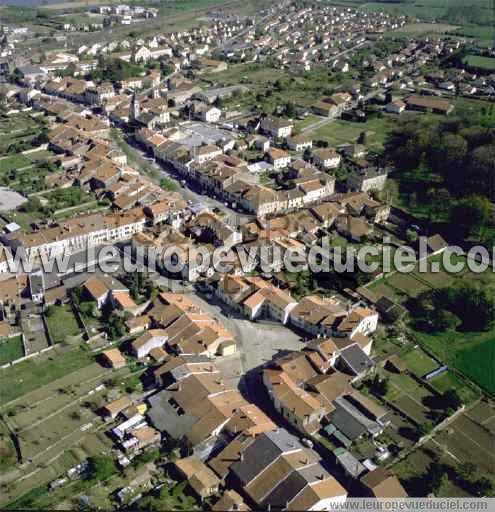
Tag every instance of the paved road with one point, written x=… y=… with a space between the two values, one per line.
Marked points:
x=191 y=193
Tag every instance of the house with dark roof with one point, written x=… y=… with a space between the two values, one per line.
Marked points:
x=277 y=471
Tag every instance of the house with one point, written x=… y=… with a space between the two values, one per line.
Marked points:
x=317 y=315
x=429 y=104
x=381 y=483
x=325 y=108
x=30 y=74
x=195 y=407
x=137 y=324
x=361 y=320
x=204 y=153
x=277 y=127
x=230 y=501
x=277 y=472
x=123 y=302
x=113 y=409
x=207 y=113
x=97 y=290
x=326 y=158
x=302 y=409
x=151 y=339
x=300 y=142
x=113 y=358
x=278 y=158
x=354 y=361
x=352 y=228
x=199 y=476
x=367 y=178
x=396 y=107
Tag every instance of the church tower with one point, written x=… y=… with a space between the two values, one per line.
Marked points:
x=135 y=109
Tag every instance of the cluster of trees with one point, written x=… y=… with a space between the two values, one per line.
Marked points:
x=115 y=70
x=467 y=307
x=468 y=476
x=450 y=165
x=25 y=144
x=140 y=285
x=468 y=15
x=378 y=385
x=101 y=468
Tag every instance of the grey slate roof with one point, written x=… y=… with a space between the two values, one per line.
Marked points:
x=256 y=457
x=285 y=491
x=165 y=417
x=356 y=359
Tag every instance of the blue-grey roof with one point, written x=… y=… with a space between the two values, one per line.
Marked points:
x=356 y=359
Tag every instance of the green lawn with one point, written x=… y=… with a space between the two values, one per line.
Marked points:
x=11 y=349
x=34 y=373
x=18 y=131
x=339 y=132
x=415 y=29
x=412 y=471
x=477 y=32
x=14 y=162
x=21 y=177
x=66 y=198
x=478 y=363
x=62 y=323
x=449 y=380
x=480 y=62
x=419 y=362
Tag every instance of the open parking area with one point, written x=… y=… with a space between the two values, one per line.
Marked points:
x=202 y=133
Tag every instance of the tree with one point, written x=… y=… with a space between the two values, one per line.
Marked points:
x=101 y=468
x=466 y=470
x=437 y=476
x=482 y=487
x=481 y=171
x=442 y=320
x=362 y=139
x=473 y=304
x=471 y=214
x=451 y=399
x=448 y=158
x=33 y=204
x=380 y=385
x=290 y=109
x=411 y=235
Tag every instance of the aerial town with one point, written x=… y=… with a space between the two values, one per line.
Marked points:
x=257 y=129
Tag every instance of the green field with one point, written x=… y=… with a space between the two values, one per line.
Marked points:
x=477 y=61
x=339 y=132
x=62 y=323
x=484 y=34
x=420 y=29
x=478 y=363
x=412 y=471
x=11 y=349
x=14 y=162
x=18 y=131
x=419 y=362
x=34 y=373
x=449 y=380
